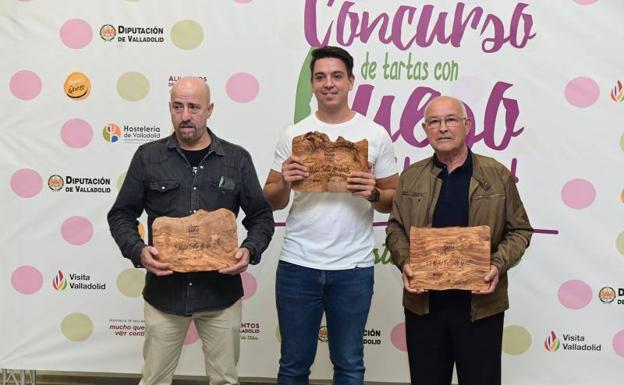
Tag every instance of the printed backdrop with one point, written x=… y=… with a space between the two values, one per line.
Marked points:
x=85 y=83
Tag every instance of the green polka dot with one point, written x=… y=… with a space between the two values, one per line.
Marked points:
x=133 y=86
x=187 y=34
x=120 y=180
x=130 y=282
x=278 y=335
x=516 y=340
x=77 y=327
x=620 y=243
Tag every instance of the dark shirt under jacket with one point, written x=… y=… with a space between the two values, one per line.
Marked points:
x=452 y=210
x=160 y=180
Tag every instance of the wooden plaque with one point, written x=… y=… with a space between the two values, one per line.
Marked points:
x=449 y=257
x=329 y=163
x=204 y=241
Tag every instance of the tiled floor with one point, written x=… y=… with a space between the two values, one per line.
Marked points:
x=77 y=378
x=67 y=378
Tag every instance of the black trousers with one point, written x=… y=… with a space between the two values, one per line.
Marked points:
x=446 y=336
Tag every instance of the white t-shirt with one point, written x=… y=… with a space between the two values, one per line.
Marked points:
x=333 y=230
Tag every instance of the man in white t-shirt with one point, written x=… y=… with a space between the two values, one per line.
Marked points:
x=326 y=264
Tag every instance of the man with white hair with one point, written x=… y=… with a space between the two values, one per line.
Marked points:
x=456 y=187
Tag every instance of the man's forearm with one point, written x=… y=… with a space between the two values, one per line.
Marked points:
x=260 y=228
x=277 y=193
x=384 y=204
x=125 y=233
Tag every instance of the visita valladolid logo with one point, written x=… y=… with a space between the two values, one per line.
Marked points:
x=132 y=34
x=59 y=283
x=79 y=184
x=75 y=281
x=130 y=133
x=570 y=342
x=617 y=92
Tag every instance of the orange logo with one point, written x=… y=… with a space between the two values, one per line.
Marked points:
x=77 y=86
x=55 y=182
x=108 y=32
x=607 y=294
x=322 y=334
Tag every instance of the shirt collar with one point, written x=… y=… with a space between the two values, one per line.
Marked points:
x=215 y=143
x=467 y=165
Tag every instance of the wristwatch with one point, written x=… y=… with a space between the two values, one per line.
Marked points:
x=375 y=195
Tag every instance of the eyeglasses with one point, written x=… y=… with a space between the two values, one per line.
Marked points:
x=451 y=121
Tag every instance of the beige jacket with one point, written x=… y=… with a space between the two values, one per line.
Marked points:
x=494 y=201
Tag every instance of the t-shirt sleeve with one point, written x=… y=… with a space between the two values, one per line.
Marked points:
x=385 y=164
x=282 y=150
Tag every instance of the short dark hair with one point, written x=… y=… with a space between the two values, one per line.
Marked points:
x=332 y=52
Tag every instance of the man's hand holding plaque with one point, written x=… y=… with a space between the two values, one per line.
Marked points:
x=451 y=258
x=203 y=241
x=328 y=163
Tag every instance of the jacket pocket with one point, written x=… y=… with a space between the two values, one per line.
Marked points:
x=413 y=208
x=162 y=194
x=412 y=199
x=488 y=196
x=488 y=209
x=413 y=195
x=223 y=191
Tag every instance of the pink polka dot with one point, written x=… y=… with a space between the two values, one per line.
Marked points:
x=242 y=87
x=574 y=294
x=250 y=285
x=618 y=343
x=76 y=133
x=26 y=183
x=582 y=92
x=76 y=33
x=397 y=336
x=25 y=85
x=77 y=230
x=192 y=335
x=27 y=280
x=578 y=193
x=586 y=2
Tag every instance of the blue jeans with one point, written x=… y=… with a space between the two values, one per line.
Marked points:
x=302 y=295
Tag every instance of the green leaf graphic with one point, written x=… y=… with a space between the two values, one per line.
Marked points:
x=304 y=91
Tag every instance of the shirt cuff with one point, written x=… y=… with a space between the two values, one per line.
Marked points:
x=254 y=258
